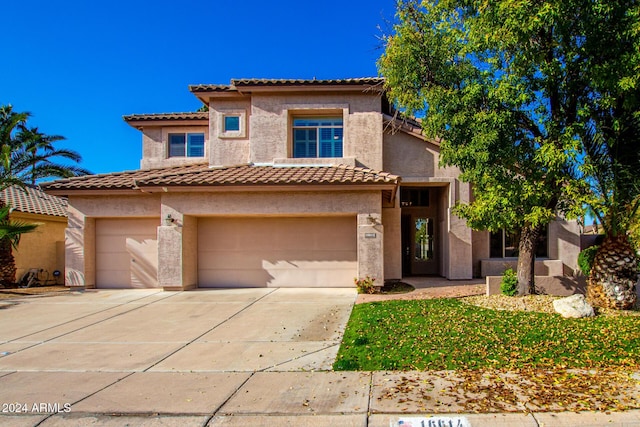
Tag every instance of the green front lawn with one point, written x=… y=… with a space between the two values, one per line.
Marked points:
x=443 y=334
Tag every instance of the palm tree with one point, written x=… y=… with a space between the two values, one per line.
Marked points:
x=26 y=155
x=612 y=164
x=10 y=232
x=32 y=158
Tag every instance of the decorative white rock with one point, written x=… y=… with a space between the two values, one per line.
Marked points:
x=575 y=306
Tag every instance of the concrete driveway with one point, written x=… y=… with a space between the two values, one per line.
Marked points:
x=228 y=330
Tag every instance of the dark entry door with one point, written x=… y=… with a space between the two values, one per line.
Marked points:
x=420 y=243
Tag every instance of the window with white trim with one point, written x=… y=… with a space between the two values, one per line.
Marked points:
x=317 y=137
x=232 y=124
x=186 y=145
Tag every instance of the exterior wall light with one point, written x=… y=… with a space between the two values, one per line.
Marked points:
x=372 y=220
x=169 y=220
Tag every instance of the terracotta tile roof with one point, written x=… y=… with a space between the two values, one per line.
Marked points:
x=117 y=180
x=274 y=175
x=239 y=83
x=204 y=176
x=167 y=116
x=34 y=201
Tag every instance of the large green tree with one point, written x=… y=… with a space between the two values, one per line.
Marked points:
x=503 y=84
x=26 y=155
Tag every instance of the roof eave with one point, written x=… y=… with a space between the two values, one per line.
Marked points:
x=67 y=192
x=307 y=187
x=166 y=122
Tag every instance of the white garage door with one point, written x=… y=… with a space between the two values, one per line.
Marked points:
x=277 y=252
x=127 y=253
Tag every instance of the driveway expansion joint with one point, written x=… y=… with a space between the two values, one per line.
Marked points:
x=208 y=331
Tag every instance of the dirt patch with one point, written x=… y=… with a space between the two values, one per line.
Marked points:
x=533 y=303
x=7 y=293
x=453 y=291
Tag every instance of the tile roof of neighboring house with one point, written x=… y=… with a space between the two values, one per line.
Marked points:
x=201 y=175
x=34 y=201
x=200 y=115
x=239 y=83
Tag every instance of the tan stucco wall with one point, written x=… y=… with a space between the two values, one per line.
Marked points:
x=480 y=249
x=43 y=248
x=178 y=241
x=366 y=205
x=563 y=250
x=271 y=124
x=155 y=143
x=391 y=219
x=497 y=266
x=413 y=158
x=229 y=150
x=564 y=244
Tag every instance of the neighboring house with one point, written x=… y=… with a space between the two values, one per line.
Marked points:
x=42 y=249
x=282 y=183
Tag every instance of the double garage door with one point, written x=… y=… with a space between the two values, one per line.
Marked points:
x=235 y=252
x=277 y=252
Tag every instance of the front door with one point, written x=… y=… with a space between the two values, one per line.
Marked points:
x=419 y=242
x=420 y=255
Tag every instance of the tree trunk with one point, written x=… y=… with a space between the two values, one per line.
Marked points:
x=527 y=259
x=7 y=264
x=614 y=275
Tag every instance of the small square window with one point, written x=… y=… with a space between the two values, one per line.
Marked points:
x=231 y=123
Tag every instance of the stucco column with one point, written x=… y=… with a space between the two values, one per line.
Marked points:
x=177 y=251
x=460 y=262
x=371 y=247
x=80 y=237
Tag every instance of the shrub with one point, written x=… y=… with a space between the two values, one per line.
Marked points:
x=509 y=283
x=585 y=259
x=366 y=285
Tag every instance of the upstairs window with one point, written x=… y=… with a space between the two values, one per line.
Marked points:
x=186 y=145
x=231 y=123
x=317 y=137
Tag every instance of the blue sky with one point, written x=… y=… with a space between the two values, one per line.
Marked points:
x=79 y=66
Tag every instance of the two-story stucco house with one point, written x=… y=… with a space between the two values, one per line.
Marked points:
x=294 y=183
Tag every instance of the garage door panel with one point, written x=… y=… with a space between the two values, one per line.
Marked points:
x=106 y=279
x=294 y=252
x=258 y=260
x=233 y=278
x=126 y=253
x=336 y=239
x=110 y=261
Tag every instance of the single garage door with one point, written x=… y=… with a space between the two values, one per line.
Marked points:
x=277 y=252
x=127 y=253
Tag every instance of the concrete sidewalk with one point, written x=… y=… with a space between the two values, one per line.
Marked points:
x=240 y=357
x=263 y=399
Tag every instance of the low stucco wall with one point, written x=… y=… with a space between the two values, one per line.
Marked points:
x=548 y=285
x=43 y=248
x=497 y=266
